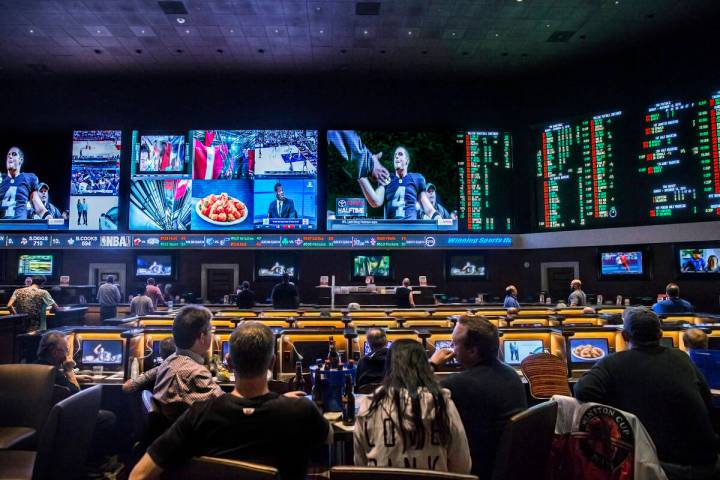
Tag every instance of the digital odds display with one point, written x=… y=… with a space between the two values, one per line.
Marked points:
x=229 y=180
x=54 y=181
x=419 y=181
x=621 y=168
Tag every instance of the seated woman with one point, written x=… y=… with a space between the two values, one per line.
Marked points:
x=410 y=421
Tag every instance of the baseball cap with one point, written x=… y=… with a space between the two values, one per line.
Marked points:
x=430 y=186
x=642 y=324
x=43 y=185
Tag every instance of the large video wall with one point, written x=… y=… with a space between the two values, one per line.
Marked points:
x=639 y=166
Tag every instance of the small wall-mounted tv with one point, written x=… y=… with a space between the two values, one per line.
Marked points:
x=377 y=266
x=36 y=264
x=699 y=261
x=271 y=265
x=584 y=352
x=466 y=267
x=154 y=265
x=626 y=263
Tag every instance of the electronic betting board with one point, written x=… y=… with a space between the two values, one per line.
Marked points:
x=625 y=168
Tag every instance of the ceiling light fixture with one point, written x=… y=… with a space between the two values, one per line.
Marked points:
x=180 y=20
x=322 y=32
x=365 y=32
x=32 y=31
x=410 y=32
x=187 y=31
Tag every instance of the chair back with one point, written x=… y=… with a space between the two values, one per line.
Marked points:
x=26 y=393
x=154 y=422
x=374 y=473
x=221 y=469
x=66 y=438
x=524 y=448
x=708 y=362
x=546 y=374
x=368 y=388
x=278 y=386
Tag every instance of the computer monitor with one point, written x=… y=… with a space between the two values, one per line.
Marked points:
x=666 y=342
x=515 y=351
x=108 y=353
x=446 y=345
x=367 y=349
x=587 y=351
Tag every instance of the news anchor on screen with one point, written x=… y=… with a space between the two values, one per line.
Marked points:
x=281 y=207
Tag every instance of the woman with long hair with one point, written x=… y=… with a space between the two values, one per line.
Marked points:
x=410 y=421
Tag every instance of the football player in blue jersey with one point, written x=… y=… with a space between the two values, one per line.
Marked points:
x=17 y=190
x=401 y=193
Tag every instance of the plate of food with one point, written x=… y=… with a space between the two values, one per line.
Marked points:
x=587 y=353
x=222 y=210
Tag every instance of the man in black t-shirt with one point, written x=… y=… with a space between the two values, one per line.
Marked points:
x=371 y=368
x=665 y=390
x=487 y=393
x=250 y=424
x=403 y=295
x=245 y=297
x=285 y=294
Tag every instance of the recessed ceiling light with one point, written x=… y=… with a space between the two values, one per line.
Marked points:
x=617 y=2
x=98 y=31
x=547 y=25
x=497 y=35
x=322 y=32
x=410 y=32
x=453 y=34
x=187 y=31
x=365 y=32
x=180 y=20
x=277 y=31
x=141 y=31
x=32 y=31
x=317 y=9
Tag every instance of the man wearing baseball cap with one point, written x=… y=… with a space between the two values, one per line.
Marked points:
x=431 y=191
x=664 y=389
x=44 y=191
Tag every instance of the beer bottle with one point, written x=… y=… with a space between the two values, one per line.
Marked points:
x=317 y=390
x=333 y=354
x=348 y=402
x=299 y=381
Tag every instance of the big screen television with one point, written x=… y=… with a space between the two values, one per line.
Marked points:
x=228 y=180
x=154 y=265
x=515 y=351
x=699 y=261
x=623 y=263
x=377 y=266
x=60 y=180
x=392 y=181
x=108 y=353
x=271 y=265
x=461 y=267
x=29 y=265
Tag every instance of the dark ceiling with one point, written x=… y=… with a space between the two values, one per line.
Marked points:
x=422 y=37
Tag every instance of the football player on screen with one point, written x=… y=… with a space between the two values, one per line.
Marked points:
x=18 y=189
x=401 y=192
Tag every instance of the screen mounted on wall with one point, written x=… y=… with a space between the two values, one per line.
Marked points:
x=229 y=180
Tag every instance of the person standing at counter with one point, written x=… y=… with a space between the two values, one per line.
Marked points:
x=155 y=294
x=511 y=297
x=108 y=297
x=141 y=304
x=577 y=298
x=403 y=295
x=33 y=302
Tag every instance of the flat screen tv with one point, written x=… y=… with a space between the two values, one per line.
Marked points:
x=271 y=265
x=153 y=265
x=698 y=261
x=108 y=353
x=587 y=351
x=623 y=263
x=466 y=267
x=367 y=349
x=377 y=266
x=515 y=351
x=29 y=265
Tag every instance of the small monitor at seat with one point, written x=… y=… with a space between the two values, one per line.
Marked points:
x=587 y=351
x=666 y=342
x=367 y=349
x=108 y=353
x=515 y=351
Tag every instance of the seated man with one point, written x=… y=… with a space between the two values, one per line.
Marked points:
x=285 y=294
x=673 y=303
x=695 y=339
x=53 y=350
x=663 y=388
x=487 y=393
x=371 y=368
x=146 y=380
x=183 y=378
x=250 y=424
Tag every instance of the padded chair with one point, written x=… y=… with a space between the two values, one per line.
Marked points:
x=64 y=442
x=546 y=374
x=524 y=448
x=154 y=422
x=373 y=473
x=221 y=469
x=708 y=362
x=26 y=393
